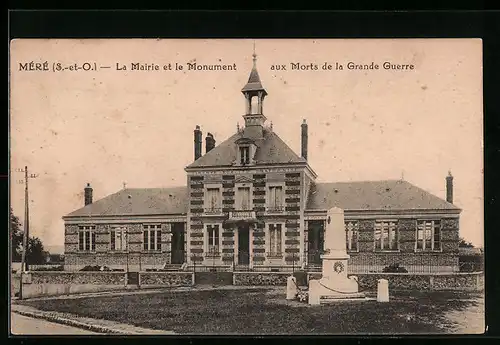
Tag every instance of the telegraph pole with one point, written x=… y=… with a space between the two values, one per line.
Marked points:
x=24 y=256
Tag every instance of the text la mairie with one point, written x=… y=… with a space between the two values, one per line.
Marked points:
x=252 y=202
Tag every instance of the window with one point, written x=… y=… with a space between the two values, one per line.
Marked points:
x=386 y=236
x=118 y=239
x=86 y=238
x=428 y=235
x=213 y=200
x=254 y=105
x=244 y=198
x=213 y=239
x=351 y=229
x=275 y=240
x=244 y=155
x=275 y=198
x=152 y=237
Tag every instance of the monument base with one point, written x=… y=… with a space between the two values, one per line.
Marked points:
x=327 y=291
x=334 y=284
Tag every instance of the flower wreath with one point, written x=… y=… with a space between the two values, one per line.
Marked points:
x=338 y=267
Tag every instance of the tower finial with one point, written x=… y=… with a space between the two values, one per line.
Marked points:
x=254 y=55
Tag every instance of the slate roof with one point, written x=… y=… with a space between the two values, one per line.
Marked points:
x=254 y=83
x=369 y=195
x=270 y=150
x=374 y=195
x=138 y=201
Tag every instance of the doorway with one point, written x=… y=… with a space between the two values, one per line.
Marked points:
x=243 y=245
x=316 y=239
x=177 y=251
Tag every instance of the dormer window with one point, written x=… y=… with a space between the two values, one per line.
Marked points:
x=244 y=155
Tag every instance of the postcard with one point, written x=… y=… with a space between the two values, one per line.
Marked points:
x=240 y=186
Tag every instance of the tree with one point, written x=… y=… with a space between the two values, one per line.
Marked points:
x=36 y=253
x=464 y=244
x=16 y=235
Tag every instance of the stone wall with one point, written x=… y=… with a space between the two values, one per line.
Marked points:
x=166 y=278
x=94 y=278
x=258 y=278
x=405 y=281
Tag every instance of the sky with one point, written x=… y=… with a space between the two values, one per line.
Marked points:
x=109 y=126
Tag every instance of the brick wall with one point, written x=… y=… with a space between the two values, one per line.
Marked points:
x=293 y=201
x=136 y=258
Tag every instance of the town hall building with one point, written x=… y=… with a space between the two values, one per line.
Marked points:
x=251 y=203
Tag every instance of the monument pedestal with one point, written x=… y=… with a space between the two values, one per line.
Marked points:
x=334 y=284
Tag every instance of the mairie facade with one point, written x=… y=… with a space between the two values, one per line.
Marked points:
x=252 y=203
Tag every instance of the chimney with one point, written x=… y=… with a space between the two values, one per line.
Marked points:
x=209 y=142
x=197 y=142
x=88 y=194
x=449 y=188
x=304 y=139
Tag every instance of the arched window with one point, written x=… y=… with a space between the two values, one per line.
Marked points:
x=254 y=105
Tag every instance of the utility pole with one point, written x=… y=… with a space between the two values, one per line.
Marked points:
x=24 y=256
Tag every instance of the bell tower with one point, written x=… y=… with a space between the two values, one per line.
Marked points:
x=254 y=94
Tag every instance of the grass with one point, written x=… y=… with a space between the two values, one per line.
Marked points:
x=266 y=311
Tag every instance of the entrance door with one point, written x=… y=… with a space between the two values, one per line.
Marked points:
x=316 y=242
x=177 y=252
x=243 y=246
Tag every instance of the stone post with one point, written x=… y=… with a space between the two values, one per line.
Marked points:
x=291 y=287
x=383 y=290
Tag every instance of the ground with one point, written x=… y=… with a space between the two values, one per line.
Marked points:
x=22 y=325
x=265 y=311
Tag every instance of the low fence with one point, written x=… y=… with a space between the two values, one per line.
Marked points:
x=37 y=284
x=41 y=283
x=473 y=281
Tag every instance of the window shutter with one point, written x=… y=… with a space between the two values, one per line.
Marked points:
x=145 y=239
x=93 y=240
x=158 y=238
x=81 y=240
x=278 y=238
x=112 y=240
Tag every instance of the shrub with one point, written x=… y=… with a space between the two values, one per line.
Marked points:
x=394 y=268
x=50 y=268
x=95 y=268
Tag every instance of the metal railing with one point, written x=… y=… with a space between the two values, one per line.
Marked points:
x=242 y=214
x=213 y=211
x=275 y=209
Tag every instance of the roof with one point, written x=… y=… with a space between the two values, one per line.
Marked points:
x=254 y=83
x=138 y=201
x=270 y=150
x=367 y=195
x=374 y=195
